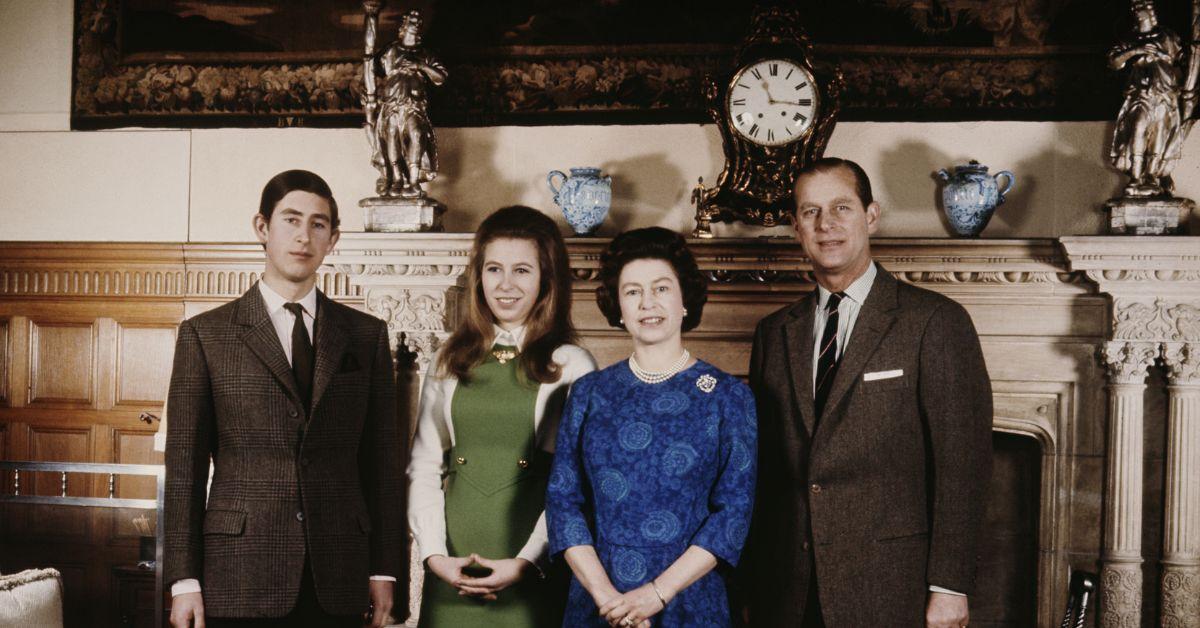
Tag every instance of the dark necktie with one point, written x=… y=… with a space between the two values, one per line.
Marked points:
x=302 y=355
x=827 y=360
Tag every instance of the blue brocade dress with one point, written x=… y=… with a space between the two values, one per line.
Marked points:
x=642 y=471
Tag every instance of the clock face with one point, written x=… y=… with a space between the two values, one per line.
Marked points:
x=772 y=102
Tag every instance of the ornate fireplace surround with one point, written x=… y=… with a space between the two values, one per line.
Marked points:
x=1059 y=321
x=1070 y=328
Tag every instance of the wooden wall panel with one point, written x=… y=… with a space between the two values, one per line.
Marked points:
x=134 y=447
x=58 y=445
x=144 y=354
x=5 y=358
x=62 y=365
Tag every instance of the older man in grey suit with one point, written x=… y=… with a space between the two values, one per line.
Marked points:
x=292 y=398
x=875 y=413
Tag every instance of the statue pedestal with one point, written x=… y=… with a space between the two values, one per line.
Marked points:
x=396 y=214
x=1148 y=216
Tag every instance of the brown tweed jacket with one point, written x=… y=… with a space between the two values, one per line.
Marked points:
x=892 y=481
x=287 y=480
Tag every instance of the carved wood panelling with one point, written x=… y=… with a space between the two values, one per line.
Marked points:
x=5 y=357
x=61 y=369
x=144 y=355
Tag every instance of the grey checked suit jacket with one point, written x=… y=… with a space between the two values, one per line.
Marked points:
x=892 y=481
x=288 y=480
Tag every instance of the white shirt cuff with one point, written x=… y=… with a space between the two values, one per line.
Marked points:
x=187 y=585
x=937 y=589
x=384 y=578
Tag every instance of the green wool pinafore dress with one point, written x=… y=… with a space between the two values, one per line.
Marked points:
x=495 y=492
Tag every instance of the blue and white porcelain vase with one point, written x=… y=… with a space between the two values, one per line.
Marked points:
x=971 y=196
x=584 y=197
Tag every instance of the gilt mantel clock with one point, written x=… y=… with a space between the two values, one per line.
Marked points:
x=775 y=114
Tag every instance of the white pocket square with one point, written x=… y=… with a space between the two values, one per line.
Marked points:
x=870 y=377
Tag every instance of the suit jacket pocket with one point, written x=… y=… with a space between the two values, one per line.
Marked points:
x=232 y=522
x=900 y=538
x=882 y=385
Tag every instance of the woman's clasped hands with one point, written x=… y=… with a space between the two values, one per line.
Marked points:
x=505 y=572
x=632 y=609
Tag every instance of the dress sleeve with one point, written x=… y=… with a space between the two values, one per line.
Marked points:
x=731 y=501
x=568 y=500
x=427 y=467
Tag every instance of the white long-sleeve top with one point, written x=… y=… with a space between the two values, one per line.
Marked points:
x=435 y=436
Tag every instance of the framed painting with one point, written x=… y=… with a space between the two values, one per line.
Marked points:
x=199 y=63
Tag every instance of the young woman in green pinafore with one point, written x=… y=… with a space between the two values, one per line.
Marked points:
x=485 y=434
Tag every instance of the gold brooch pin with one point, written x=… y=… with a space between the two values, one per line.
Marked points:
x=504 y=355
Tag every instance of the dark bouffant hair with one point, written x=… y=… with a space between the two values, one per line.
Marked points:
x=651 y=243
x=289 y=181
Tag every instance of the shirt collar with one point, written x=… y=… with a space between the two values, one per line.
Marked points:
x=275 y=301
x=857 y=291
x=514 y=338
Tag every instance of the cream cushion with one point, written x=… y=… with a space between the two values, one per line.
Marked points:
x=31 y=599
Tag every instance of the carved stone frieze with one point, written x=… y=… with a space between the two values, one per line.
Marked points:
x=1160 y=320
x=1128 y=362
x=411 y=310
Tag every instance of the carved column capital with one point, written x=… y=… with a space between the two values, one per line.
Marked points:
x=1182 y=360
x=1127 y=362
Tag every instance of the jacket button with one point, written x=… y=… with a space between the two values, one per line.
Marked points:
x=292 y=413
x=523 y=463
x=816 y=488
x=460 y=460
x=304 y=462
x=804 y=546
x=299 y=516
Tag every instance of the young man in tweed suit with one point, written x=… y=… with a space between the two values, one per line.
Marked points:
x=875 y=414
x=292 y=398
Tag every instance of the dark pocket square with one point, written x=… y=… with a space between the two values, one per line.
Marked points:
x=349 y=363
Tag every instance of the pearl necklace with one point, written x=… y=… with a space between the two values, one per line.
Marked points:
x=652 y=377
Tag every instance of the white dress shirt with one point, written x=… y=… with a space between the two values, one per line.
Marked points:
x=283 y=320
x=848 y=309
x=435 y=436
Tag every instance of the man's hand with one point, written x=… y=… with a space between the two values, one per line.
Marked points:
x=381 y=603
x=946 y=611
x=505 y=573
x=187 y=610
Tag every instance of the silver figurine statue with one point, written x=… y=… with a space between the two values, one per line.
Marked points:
x=396 y=79
x=1160 y=95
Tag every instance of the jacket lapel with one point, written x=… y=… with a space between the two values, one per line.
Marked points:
x=330 y=345
x=259 y=335
x=874 y=320
x=798 y=334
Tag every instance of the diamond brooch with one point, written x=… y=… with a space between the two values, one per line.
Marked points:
x=706 y=383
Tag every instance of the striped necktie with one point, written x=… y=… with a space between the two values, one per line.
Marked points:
x=827 y=360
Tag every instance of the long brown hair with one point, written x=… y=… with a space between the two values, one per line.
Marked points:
x=549 y=324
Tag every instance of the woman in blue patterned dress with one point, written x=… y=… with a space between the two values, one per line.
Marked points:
x=652 y=486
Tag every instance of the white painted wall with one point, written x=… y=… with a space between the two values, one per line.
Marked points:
x=203 y=185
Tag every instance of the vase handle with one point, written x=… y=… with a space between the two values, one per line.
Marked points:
x=550 y=182
x=1011 y=180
